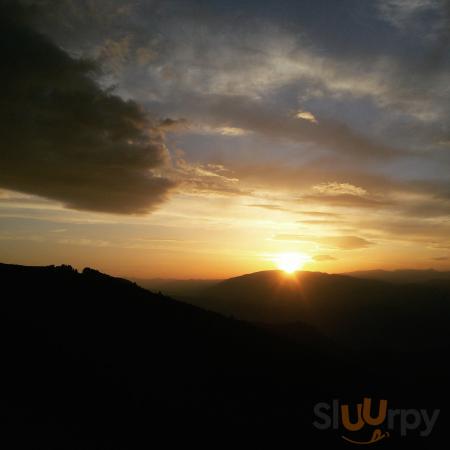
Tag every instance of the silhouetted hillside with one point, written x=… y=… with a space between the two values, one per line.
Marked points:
x=92 y=361
x=90 y=357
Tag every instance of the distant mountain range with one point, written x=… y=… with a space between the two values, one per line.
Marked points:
x=401 y=276
x=340 y=306
x=193 y=287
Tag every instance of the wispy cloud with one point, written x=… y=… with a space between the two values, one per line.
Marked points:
x=306 y=115
x=324 y=258
x=340 y=242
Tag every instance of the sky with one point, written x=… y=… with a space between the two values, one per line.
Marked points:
x=201 y=139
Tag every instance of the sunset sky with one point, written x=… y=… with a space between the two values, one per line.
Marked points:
x=200 y=139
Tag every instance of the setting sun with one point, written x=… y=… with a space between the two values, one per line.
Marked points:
x=290 y=262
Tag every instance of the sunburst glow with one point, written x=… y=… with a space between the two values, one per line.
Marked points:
x=290 y=262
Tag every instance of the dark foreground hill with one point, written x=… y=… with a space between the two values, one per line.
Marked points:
x=91 y=361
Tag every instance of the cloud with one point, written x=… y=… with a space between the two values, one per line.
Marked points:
x=345 y=200
x=236 y=80
x=317 y=222
x=345 y=242
x=306 y=115
x=324 y=258
x=269 y=206
x=212 y=130
x=307 y=186
x=205 y=179
x=426 y=207
x=188 y=127
x=404 y=228
x=339 y=242
x=258 y=116
x=238 y=50
x=441 y=258
x=334 y=188
x=231 y=131
x=320 y=214
x=404 y=13
x=169 y=124
x=114 y=53
x=66 y=138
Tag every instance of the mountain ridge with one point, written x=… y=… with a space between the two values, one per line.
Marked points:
x=94 y=361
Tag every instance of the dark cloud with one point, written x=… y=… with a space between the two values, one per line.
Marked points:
x=66 y=138
x=172 y=124
x=272 y=122
x=199 y=56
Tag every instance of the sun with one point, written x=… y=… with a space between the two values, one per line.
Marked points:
x=291 y=262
